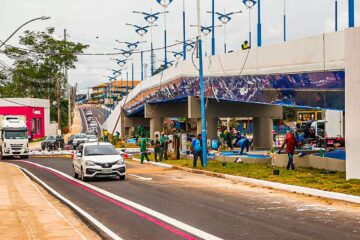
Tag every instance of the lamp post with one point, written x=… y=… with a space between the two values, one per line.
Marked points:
x=351 y=13
x=225 y=18
x=141 y=31
x=32 y=20
x=151 y=19
x=184 y=31
x=202 y=87
x=213 y=27
x=165 y=4
x=249 y=4
x=205 y=30
x=284 y=20
x=336 y=15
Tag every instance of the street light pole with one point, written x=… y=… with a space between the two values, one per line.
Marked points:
x=32 y=20
x=202 y=87
x=184 y=31
x=284 y=20
x=250 y=4
x=351 y=13
x=213 y=29
x=259 y=37
x=336 y=15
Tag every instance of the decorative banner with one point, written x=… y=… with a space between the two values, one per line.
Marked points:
x=325 y=90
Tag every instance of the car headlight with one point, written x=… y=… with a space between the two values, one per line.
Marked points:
x=89 y=163
x=120 y=162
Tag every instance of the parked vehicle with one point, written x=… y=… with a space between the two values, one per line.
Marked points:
x=92 y=138
x=79 y=139
x=98 y=160
x=14 y=139
x=53 y=143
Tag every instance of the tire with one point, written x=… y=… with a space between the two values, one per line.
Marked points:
x=25 y=157
x=84 y=179
x=122 y=177
x=76 y=175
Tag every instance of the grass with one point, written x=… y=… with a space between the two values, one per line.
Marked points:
x=306 y=177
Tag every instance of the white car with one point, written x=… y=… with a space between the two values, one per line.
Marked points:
x=98 y=160
x=92 y=138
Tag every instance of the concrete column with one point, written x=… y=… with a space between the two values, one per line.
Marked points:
x=263 y=129
x=211 y=125
x=156 y=124
x=198 y=126
x=352 y=102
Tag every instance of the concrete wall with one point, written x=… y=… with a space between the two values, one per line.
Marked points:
x=312 y=161
x=352 y=103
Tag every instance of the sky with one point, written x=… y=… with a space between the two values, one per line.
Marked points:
x=100 y=23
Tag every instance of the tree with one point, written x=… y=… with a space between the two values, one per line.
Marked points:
x=38 y=66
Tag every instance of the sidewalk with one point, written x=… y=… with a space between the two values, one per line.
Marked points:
x=29 y=212
x=76 y=126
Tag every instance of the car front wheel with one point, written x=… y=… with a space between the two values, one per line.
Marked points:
x=82 y=176
x=122 y=178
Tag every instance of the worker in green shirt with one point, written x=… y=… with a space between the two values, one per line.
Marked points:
x=143 y=150
x=164 y=142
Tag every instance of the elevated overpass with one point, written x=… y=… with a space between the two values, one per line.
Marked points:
x=256 y=83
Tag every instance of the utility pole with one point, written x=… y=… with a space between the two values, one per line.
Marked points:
x=58 y=93
x=67 y=86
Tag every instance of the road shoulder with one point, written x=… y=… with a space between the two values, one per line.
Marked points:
x=31 y=213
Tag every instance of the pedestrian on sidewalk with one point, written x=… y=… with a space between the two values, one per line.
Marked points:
x=158 y=150
x=196 y=146
x=143 y=150
x=290 y=143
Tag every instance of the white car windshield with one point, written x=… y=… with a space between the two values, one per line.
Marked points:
x=99 y=150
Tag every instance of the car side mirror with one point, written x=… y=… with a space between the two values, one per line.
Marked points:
x=79 y=154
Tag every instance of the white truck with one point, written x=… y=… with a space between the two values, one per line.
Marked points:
x=14 y=139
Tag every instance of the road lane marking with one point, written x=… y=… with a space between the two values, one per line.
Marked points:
x=144 y=212
x=74 y=206
x=141 y=178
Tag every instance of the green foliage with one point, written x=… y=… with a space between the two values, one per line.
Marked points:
x=38 y=66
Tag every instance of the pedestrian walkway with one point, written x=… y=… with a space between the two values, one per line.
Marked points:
x=76 y=126
x=28 y=212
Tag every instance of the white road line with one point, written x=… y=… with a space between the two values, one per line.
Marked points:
x=74 y=206
x=51 y=205
x=141 y=178
x=183 y=226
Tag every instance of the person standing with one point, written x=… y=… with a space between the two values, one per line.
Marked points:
x=290 y=143
x=164 y=144
x=158 y=149
x=143 y=150
x=196 y=146
x=106 y=136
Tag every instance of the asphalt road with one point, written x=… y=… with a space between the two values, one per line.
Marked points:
x=218 y=207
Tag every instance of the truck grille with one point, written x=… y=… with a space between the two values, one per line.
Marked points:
x=16 y=146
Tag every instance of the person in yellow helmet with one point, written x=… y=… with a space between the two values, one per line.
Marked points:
x=245 y=45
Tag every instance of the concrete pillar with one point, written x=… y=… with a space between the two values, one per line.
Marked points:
x=211 y=125
x=352 y=102
x=156 y=125
x=263 y=129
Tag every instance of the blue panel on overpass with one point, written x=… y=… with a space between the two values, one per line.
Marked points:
x=325 y=90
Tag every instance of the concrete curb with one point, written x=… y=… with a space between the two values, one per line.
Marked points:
x=89 y=220
x=274 y=185
x=163 y=165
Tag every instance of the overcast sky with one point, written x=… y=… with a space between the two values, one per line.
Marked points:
x=100 y=23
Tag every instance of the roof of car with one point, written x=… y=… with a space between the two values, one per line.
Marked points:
x=100 y=143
